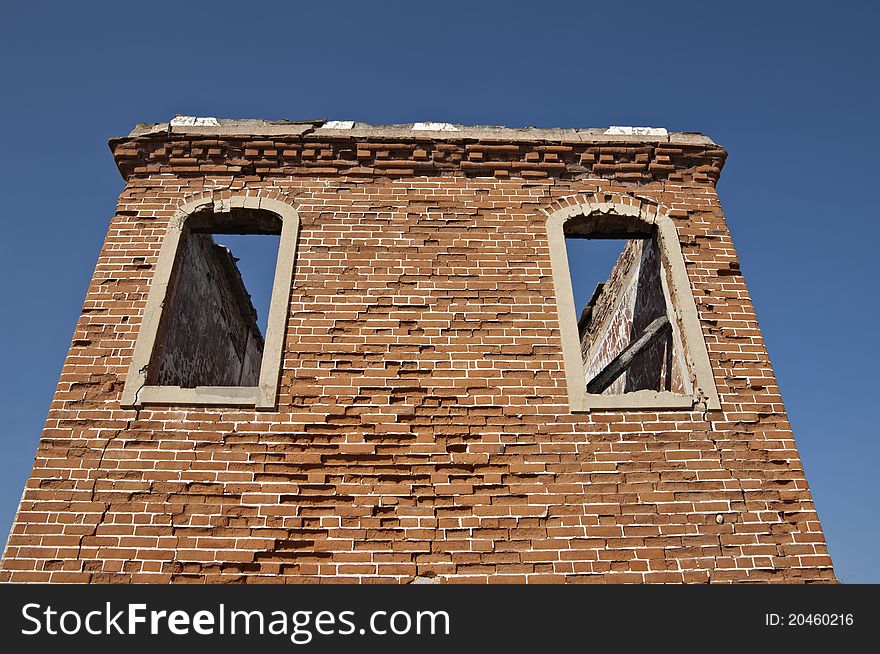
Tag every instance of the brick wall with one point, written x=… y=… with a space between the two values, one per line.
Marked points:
x=422 y=425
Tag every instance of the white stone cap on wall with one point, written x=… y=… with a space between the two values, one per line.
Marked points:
x=208 y=125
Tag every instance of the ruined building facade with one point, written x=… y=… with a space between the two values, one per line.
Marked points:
x=427 y=400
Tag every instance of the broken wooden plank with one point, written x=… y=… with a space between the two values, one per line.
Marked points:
x=622 y=361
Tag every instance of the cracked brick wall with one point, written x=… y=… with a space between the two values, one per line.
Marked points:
x=422 y=425
x=209 y=336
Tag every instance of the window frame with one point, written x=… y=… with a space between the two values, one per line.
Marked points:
x=137 y=393
x=681 y=309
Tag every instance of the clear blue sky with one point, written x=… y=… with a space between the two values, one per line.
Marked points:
x=790 y=88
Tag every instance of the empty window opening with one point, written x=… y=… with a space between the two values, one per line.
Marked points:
x=214 y=318
x=626 y=335
x=255 y=258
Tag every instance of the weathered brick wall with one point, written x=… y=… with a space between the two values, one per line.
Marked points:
x=422 y=426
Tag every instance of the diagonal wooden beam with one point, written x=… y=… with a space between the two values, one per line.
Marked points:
x=622 y=361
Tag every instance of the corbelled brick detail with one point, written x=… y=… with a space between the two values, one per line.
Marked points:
x=312 y=155
x=422 y=425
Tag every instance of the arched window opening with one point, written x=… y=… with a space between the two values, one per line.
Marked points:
x=210 y=332
x=630 y=333
x=213 y=328
x=625 y=332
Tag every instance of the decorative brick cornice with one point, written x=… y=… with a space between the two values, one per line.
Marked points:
x=365 y=156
